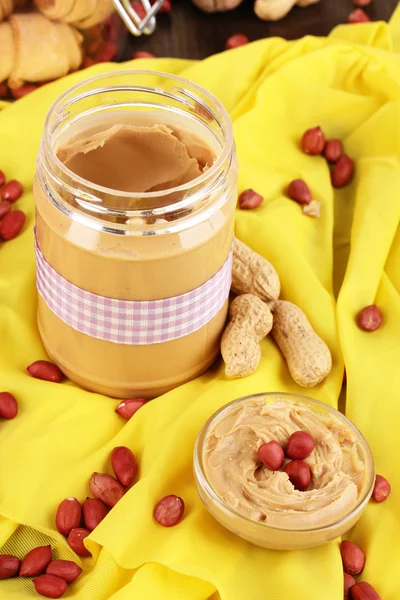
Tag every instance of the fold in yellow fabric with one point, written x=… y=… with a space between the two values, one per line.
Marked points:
x=331 y=267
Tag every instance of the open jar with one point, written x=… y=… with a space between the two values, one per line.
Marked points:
x=134 y=264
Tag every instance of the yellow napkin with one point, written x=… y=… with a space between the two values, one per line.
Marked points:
x=274 y=90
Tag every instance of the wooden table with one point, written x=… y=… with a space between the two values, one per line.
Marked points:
x=189 y=33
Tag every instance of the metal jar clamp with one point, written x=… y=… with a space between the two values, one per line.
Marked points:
x=136 y=24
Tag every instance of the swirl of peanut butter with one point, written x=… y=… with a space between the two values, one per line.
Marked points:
x=234 y=471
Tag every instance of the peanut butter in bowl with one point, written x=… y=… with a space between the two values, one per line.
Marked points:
x=272 y=505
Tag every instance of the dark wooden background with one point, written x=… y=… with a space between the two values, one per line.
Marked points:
x=189 y=33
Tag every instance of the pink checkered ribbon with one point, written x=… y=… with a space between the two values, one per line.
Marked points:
x=130 y=321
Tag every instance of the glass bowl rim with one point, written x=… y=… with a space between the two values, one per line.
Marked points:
x=206 y=487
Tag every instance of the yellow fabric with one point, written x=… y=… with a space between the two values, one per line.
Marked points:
x=349 y=84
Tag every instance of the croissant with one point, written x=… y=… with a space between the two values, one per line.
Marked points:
x=80 y=13
x=6 y=8
x=36 y=49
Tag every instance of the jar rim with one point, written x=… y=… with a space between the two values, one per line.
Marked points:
x=223 y=122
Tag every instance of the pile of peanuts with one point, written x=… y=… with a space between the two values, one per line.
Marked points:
x=314 y=143
x=300 y=445
x=51 y=577
x=353 y=557
x=11 y=221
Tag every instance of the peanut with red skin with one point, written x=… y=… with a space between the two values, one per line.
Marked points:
x=166 y=7
x=349 y=581
x=362 y=3
x=127 y=408
x=271 y=455
x=370 y=318
x=169 y=511
x=12 y=191
x=236 y=40
x=313 y=141
x=212 y=6
x=353 y=558
x=24 y=90
x=11 y=225
x=3 y=89
x=299 y=474
x=95 y=44
x=50 y=586
x=8 y=406
x=358 y=15
x=249 y=199
x=143 y=54
x=124 y=465
x=94 y=511
x=342 y=172
x=5 y=208
x=66 y=569
x=9 y=566
x=75 y=540
x=333 y=150
x=300 y=445
x=69 y=515
x=2 y=176
x=139 y=8
x=43 y=369
x=299 y=191
x=107 y=52
x=363 y=591
x=87 y=61
x=35 y=562
x=106 y=488
x=382 y=489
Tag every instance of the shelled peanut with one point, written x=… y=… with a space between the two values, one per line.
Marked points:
x=11 y=221
x=8 y=406
x=107 y=491
x=51 y=577
x=314 y=143
x=353 y=563
x=300 y=445
x=358 y=15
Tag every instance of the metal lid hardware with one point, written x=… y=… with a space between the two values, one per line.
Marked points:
x=137 y=25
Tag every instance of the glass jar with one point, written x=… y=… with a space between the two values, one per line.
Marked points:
x=133 y=287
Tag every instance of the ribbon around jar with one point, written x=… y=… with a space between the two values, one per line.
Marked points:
x=133 y=322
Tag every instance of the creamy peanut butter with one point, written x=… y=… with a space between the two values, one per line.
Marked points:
x=234 y=471
x=137 y=158
x=134 y=153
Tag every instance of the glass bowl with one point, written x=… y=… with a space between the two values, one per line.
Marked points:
x=261 y=533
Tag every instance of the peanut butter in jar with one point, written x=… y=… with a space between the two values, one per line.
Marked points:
x=135 y=194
